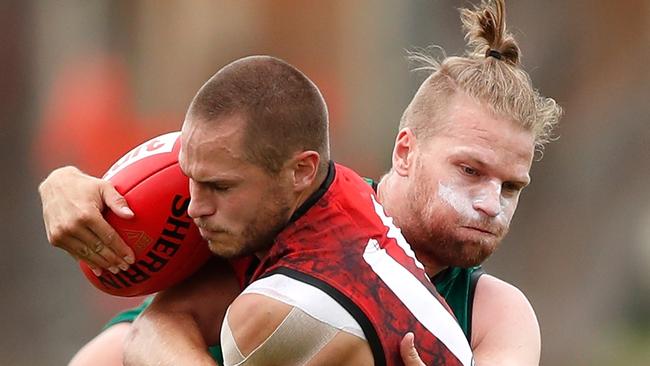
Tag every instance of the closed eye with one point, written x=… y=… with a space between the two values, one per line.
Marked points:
x=218 y=187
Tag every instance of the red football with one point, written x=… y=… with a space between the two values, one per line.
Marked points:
x=168 y=247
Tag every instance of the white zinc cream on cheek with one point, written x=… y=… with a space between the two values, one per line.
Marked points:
x=462 y=200
x=458 y=199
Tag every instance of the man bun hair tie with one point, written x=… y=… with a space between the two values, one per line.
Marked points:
x=494 y=53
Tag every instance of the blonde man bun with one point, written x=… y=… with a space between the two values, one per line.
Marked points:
x=490 y=72
x=485 y=32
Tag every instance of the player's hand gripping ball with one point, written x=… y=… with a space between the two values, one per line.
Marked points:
x=168 y=247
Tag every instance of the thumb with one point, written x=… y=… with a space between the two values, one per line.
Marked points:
x=409 y=354
x=116 y=202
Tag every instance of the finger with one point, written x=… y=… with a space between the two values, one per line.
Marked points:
x=109 y=237
x=116 y=201
x=75 y=237
x=110 y=256
x=80 y=250
x=410 y=355
x=96 y=258
x=97 y=271
x=98 y=246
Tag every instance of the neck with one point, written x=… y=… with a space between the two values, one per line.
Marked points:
x=304 y=195
x=391 y=194
x=431 y=267
x=388 y=190
x=300 y=198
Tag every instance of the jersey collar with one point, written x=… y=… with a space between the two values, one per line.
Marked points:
x=317 y=195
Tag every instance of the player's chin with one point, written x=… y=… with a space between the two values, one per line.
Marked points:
x=476 y=252
x=224 y=249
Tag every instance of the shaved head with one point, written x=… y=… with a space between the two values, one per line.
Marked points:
x=277 y=102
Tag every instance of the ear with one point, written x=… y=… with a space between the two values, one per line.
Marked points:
x=305 y=169
x=404 y=151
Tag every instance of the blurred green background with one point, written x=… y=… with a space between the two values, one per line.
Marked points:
x=82 y=81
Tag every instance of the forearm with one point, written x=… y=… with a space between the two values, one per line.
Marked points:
x=166 y=339
x=180 y=322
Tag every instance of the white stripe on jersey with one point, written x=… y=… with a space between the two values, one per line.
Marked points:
x=309 y=299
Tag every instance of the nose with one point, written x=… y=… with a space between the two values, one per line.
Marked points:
x=488 y=201
x=200 y=205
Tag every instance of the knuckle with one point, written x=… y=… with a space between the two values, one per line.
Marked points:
x=119 y=199
x=58 y=234
x=109 y=237
x=85 y=217
x=98 y=247
x=56 y=243
x=83 y=252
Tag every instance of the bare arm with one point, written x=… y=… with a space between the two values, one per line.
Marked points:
x=181 y=322
x=166 y=339
x=103 y=350
x=505 y=330
x=72 y=211
x=265 y=331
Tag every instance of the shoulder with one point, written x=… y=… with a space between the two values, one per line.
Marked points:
x=493 y=293
x=103 y=350
x=281 y=292
x=253 y=318
x=505 y=329
x=271 y=321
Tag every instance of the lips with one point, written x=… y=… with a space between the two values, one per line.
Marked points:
x=204 y=233
x=479 y=229
x=209 y=234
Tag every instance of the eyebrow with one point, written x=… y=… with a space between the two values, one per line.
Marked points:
x=467 y=154
x=212 y=179
x=520 y=184
x=218 y=180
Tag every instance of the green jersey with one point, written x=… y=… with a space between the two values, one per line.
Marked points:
x=457 y=286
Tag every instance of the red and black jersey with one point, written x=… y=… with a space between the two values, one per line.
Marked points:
x=341 y=242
